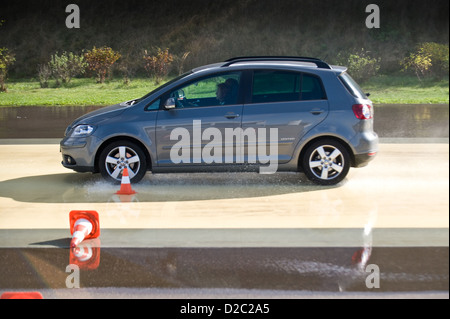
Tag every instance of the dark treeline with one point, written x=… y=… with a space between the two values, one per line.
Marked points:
x=214 y=30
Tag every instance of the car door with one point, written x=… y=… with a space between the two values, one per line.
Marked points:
x=193 y=132
x=284 y=106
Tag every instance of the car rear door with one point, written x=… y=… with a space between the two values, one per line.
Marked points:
x=286 y=103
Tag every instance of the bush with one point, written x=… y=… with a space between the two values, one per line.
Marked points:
x=180 y=60
x=158 y=65
x=429 y=59
x=65 y=66
x=129 y=66
x=438 y=54
x=101 y=60
x=361 y=65
x=44 y=74
x=6 y=60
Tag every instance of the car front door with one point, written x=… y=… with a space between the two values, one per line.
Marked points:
x=193 y=132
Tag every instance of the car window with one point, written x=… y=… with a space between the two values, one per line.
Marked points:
x=352 y=86
x=214 y=90
x=282 y=86
x=275 y=86
x=312 y=88
x=153 y=106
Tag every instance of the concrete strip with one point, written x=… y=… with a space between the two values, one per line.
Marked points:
x=218 y=238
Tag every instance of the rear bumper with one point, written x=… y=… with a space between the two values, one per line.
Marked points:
x=362 y=160
x=367 y=146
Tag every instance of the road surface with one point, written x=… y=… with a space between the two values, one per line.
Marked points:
x=396 y=207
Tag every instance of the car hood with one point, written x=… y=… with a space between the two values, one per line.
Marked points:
x=100 y=114
x=97 y=116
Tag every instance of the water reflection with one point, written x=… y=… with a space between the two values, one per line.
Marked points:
x=39 y=121
x=86 y=255
x=310 y=269
x=412 y=121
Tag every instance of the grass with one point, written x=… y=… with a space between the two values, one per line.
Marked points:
x=77 y=92
x=383 y=90
x=407 y=90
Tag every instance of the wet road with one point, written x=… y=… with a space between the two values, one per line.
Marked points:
x=230 y=235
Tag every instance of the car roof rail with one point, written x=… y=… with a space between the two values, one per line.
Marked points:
x=319 y=63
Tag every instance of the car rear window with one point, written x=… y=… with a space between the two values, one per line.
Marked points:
x=352 y=86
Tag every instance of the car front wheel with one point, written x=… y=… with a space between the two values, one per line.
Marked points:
x=326 y=162
x=118 y=155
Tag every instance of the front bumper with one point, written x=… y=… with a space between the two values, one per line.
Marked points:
x=78 y=154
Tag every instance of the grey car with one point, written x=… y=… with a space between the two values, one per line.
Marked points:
x=266 y=114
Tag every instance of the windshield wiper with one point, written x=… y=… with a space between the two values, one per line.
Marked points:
x=131 y=102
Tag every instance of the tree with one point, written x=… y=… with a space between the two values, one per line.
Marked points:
x=100 y=60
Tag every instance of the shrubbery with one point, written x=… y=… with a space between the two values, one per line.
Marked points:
x=67 y=65
x=62 y=68
x=100 y=60
x=360 y=64
x=44 y=75
x=158 y=65
x=6 y=59
x=429 y=59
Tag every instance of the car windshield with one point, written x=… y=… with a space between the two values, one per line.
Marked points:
x=352 y=86
x=161 y=87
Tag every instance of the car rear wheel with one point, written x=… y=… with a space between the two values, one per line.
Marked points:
x=118 y=155
x=326 y=162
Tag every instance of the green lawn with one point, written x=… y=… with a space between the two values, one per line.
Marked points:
x=382 y=89
x=407 y=90
x=77 y=92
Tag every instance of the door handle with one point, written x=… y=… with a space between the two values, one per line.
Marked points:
x=231 y=116
x=316 y=111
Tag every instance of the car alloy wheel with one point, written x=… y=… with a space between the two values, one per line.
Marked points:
x=326 y=162
x=118 y=155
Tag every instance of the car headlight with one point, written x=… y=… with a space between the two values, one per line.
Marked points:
x=82 y=130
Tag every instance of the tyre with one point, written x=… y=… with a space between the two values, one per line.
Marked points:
x=326 y=162
x=118 y=155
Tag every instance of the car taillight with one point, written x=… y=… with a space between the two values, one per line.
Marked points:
x=363 y=111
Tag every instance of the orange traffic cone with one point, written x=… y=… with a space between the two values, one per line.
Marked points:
x=84 y=224
x=22 y=295
x=125 y=186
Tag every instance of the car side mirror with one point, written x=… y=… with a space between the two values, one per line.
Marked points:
x=170 y=103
